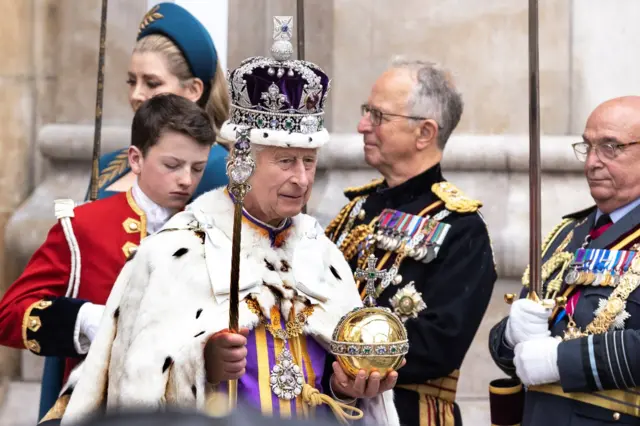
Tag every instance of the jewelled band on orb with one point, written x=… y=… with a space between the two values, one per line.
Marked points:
x=370 y=350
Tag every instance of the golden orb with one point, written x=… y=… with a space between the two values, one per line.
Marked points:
x=369 y=338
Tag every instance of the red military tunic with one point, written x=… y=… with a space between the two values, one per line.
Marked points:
x=34 y=312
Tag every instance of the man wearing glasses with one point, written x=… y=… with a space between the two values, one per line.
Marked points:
x=424 y=233
x=580 y=360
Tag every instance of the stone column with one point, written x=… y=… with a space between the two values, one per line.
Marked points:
x=48 y=75
x=28 y=31
x=605 y=37
x=214 y=15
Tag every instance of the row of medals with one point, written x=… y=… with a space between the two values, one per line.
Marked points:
x=600 y=278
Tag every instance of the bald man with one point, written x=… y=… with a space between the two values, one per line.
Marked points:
x=580 y=363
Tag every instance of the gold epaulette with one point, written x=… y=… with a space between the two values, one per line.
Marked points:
x=454 y=199
x=361 y=190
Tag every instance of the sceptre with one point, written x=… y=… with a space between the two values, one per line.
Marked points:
x=97 y=132
x=240 y=167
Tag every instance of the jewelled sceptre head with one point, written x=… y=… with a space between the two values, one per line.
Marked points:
x=240 y=167
x=370 y=337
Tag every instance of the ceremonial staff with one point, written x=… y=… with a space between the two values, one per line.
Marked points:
x=97 y=131
x=240 y=167
x=535 y=284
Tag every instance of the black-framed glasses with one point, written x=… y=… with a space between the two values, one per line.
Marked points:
x=375 y=115
x=605 y=151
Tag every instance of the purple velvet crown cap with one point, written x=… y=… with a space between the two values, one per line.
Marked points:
x=281 y=100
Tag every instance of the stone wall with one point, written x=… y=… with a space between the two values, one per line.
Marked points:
x=48 y=71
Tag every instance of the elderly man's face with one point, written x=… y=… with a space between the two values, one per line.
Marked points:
x=282 y=183
x=394 y=140
x=614 y=182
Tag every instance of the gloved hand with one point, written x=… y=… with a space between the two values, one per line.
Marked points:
x=527 y=320
x=87 y=323
x=536 y=361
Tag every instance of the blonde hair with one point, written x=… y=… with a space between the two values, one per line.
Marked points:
x=218 y=103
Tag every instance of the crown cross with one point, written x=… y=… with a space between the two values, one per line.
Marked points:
x=282 y=27
x=372 y=275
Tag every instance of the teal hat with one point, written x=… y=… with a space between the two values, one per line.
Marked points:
x=191 y=37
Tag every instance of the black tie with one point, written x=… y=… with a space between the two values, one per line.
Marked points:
x=603 y=220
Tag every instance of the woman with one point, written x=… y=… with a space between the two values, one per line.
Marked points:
x=174 y=53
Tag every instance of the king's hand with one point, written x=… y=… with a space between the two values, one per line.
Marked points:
x=343 y=387
x=225 y=356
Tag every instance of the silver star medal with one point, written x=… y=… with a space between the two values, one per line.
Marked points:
x=618 y=322
x=407 y=302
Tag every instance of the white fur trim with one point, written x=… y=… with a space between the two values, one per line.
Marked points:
x=169 y=305
x=280 y=138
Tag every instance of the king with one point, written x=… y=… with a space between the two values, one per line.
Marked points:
x=164 y=339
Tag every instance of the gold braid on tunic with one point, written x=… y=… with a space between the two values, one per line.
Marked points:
x=560 y=259
x=338 y=221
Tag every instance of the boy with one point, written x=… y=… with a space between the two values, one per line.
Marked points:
x=55 y=306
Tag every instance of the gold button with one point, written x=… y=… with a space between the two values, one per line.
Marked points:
x=616 y=416
x=133 y=226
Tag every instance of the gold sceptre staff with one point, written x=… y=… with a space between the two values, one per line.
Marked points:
x=535 y=281
x=97 y=131
x=240 y=167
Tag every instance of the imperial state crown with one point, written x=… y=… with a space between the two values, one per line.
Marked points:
x=280 y=99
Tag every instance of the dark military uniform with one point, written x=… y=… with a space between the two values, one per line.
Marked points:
x=442 y=300
x=598 y=372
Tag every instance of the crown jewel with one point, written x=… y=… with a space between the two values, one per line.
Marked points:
x=284 y=96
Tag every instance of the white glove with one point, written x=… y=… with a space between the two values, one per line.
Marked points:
x=527 y=320
x=86 y=328
x=537 y=361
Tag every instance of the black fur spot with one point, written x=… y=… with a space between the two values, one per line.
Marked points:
x=194 y=391
x=199 y=334
x=180 y=252
x=198 y=313
x=335 y=273
x=265 y=135
x=167 y=363
x=116 y=314
x=69 y=391
x=310 y=139
x=285 y=266
x=269 y=265
x=274 y=290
